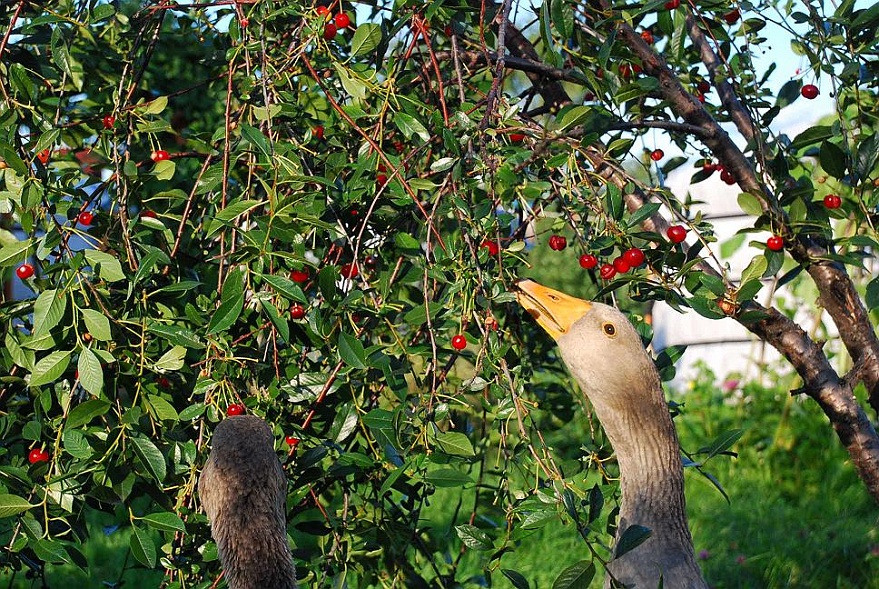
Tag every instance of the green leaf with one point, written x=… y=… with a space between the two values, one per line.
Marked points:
x=642 y=214
x=632 y=537
x=562 y=18
x=749 y=289
x=14 y=253
x=154 y=106
x=13 y=505
x=227 y=314
x=76 y=444
x=50 y=368
x=230 y=213
x=832 y=159
x=176 y=335
x=150 y=456
x=789 y=92
x=171 y=360
x=516 y=578
x=142 y=547
x=811 y=136
x=573 y=116
x=473 y=537
x=448 y=477
x=454 y=444
x=164 y=170
x=162 y=409
x=51 y=551
x=97 y=324
x=409 y=126
x=613 y=200
x=576 y=576
x=165 y=521
x=91 y=376
x=352 y=84
x=108 y=265
x=351 y=351
x=83 y=413
x=366 y=38
x=285 y=287
x=722 y=443
x=277 y=320
x=49 y=308
x=750 y=204
x=256 y=138
x=755 y=269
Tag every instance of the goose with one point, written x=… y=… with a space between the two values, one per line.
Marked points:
x=604 y=353
x=243 y=491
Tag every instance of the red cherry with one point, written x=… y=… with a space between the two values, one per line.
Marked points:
x=24 y=271
x=323 y=11
x=809 y=91
x=728 y=177
x=558 y=242
x=700 y=97
x=163 y=382
x=108 y=121
x=672 y=4
x=160 y=155
x=491 y=246
x=37 y=455
x=703 y=86
x=732 y=16
x=647 y=36
x=330 y=31
x=621 y=265
x=381 y=179
x=244 y=22
x=657 y=154
x=832 y=201
x=297 y=311
x=235 y=409
x=292 y=441
x=709 y=167
x=85 y=218
x=459 y=342
x=342 y=20
x=517 y=137
x=676 y=233
x=626 y=70
x=148 y=213
x=607 y=271
x=588 y=261
x=43 y=156
x=299 y=275
x=349 y=270
x=634 y=257
x=319 y=131
x=775 y=243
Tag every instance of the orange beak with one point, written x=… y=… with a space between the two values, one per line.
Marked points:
x=554 y=311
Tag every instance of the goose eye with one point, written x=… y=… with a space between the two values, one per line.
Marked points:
x=552 y=297
x=609 y=329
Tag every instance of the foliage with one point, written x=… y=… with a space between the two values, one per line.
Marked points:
x=239 y=161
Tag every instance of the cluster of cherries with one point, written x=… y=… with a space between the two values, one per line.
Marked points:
x=340 y=21
x=629 y=259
